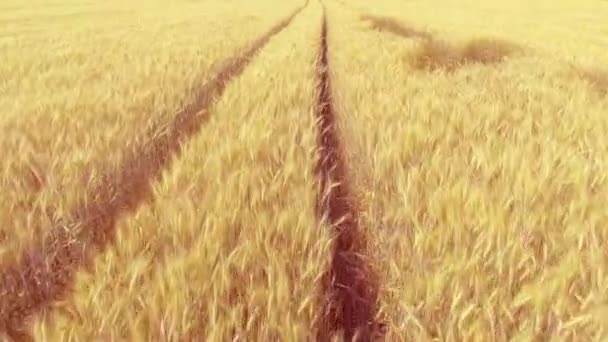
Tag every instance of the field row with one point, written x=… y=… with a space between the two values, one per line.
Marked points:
x=228 y=235
x=78 y=104
x=468 y=204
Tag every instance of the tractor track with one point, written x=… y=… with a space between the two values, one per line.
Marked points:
x=46 y=270
x=350 y=285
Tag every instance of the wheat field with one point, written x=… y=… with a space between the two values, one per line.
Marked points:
x=304 y=170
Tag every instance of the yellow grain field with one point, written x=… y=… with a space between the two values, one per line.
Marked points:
x=83 y=82
x=322 y=170
x=484 y=180
x=230 y=247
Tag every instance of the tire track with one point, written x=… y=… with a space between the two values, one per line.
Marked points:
x=46 y=271
x=350 y=285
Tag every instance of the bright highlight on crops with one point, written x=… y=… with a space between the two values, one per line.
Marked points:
x=304 y=170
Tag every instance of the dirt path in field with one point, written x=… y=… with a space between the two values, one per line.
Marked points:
x=350 y=288
x=46 y=271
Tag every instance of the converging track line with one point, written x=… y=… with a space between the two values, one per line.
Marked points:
x=46 y=271
x=351 y=287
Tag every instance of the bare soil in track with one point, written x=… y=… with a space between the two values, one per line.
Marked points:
x=351 y=285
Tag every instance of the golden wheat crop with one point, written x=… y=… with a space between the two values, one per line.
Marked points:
x=483 y=178
x=82 y=83
x=170 y=170
x=230 y=247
